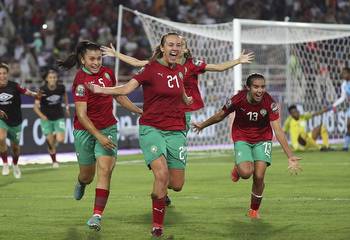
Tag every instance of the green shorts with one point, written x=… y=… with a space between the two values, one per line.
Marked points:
x=88 y=148
x=172 y=144
x=53 y=126
x=248 y=152
x=188 y=121
x=13 y=133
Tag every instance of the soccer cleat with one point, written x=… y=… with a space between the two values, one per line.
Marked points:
x=94 y=222
x=234 y=174
x=167 y=201
x=253 y=214
x=5 y=169
x=16 y=172
x=157 y=232
x=79 y=191
x=55 y=165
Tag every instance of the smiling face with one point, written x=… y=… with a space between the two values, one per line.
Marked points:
x=171 y=49
x=294 y=113
x=52 y=78
x=92 y=60
x=3 y=76
x=257 y=89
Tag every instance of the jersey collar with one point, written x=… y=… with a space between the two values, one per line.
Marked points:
x=162 y=62
x=86 y=71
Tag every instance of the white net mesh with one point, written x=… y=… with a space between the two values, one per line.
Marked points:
x=301 y=66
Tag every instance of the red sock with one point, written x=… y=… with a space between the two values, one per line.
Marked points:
x=158 y=210
x=101 y=197
x=15 y=160
x=4 y=157
x=53 y=157
x=255 y=201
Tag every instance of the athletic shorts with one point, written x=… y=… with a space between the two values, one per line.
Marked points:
x=13 y=133
x=172 y=144
x=53 y=126
x=88 y=148
x=249 y=152
x=188 y=121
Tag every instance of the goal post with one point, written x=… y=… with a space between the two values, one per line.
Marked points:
x=301 y=63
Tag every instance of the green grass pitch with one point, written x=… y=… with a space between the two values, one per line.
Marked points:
x=312 y=205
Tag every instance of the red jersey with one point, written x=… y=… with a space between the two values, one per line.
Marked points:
x=252 y=121
x=193 y=68
x=162 y=93
x=99 y=106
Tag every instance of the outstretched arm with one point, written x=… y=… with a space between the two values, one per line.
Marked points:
x=342 y=96
x=129 y=105
x=111 y=52
x=293 y=161
x=243 y=58
x=217 y=117
x=37 y=110
x=118 y=90
x=320 y=112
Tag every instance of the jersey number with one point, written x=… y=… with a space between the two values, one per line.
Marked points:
x=268 y=147
x=171 y=80
x=182 y=154
x=100 y=80
x=253 y=116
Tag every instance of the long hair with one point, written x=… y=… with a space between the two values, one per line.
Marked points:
x=157 y=53
x=74 y=58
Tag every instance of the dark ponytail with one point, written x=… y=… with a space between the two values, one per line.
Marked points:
x=252 y=77
x=157 y=53
x=74 y=58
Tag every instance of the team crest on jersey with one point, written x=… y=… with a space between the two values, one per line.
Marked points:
x=263 y=112
x=80 y=90
x=181 y=76
x=107 y=76
x=274 y=107
x=197 y=62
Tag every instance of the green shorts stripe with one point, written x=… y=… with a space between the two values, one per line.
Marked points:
x=53 y=126
x=171 y=144
x=248 y=152
x=88 y=148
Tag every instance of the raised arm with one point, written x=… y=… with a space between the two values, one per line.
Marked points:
x=118 y=90
x=111 y=52
x=342 y=96
x=293 y=161
x=125 y=102
x=243 y=58
x=81 y=112
x=217 y=117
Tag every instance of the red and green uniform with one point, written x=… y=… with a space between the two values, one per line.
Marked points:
x=251 y=129
x=162 y=123
x=99 y=111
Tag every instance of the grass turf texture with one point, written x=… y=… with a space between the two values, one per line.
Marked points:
x=312 y=205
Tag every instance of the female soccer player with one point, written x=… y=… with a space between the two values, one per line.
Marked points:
x=11 y=118
x=49 y=109
x=162 y=125
x=194 y=68
x=256 y=112
x=345 y=95
x=95 y=130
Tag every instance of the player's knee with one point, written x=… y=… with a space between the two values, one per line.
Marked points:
x=60 y=139
x=176 y=187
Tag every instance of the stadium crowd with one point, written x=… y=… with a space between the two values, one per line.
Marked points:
x=36 y=32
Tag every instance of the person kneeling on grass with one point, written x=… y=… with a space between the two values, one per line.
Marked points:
x=295 y=125
x=256 y=112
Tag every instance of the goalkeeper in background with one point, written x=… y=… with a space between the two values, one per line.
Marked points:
x=345 y=95
x=301 y=140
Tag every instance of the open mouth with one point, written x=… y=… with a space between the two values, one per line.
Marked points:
x=173 y=55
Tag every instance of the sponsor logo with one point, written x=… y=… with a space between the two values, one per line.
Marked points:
x=160 y=74
x=53 y=99
x=243 y=109
x=80 y=91
x=5 y=96
x=159 y=210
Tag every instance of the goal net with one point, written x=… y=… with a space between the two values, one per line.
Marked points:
x=301 y=63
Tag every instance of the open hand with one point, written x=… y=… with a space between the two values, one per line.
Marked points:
x=109 y=51
x=197 y=127
x=293 y=165
x=94 y=88
x=246 y=57
x=3 y=115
